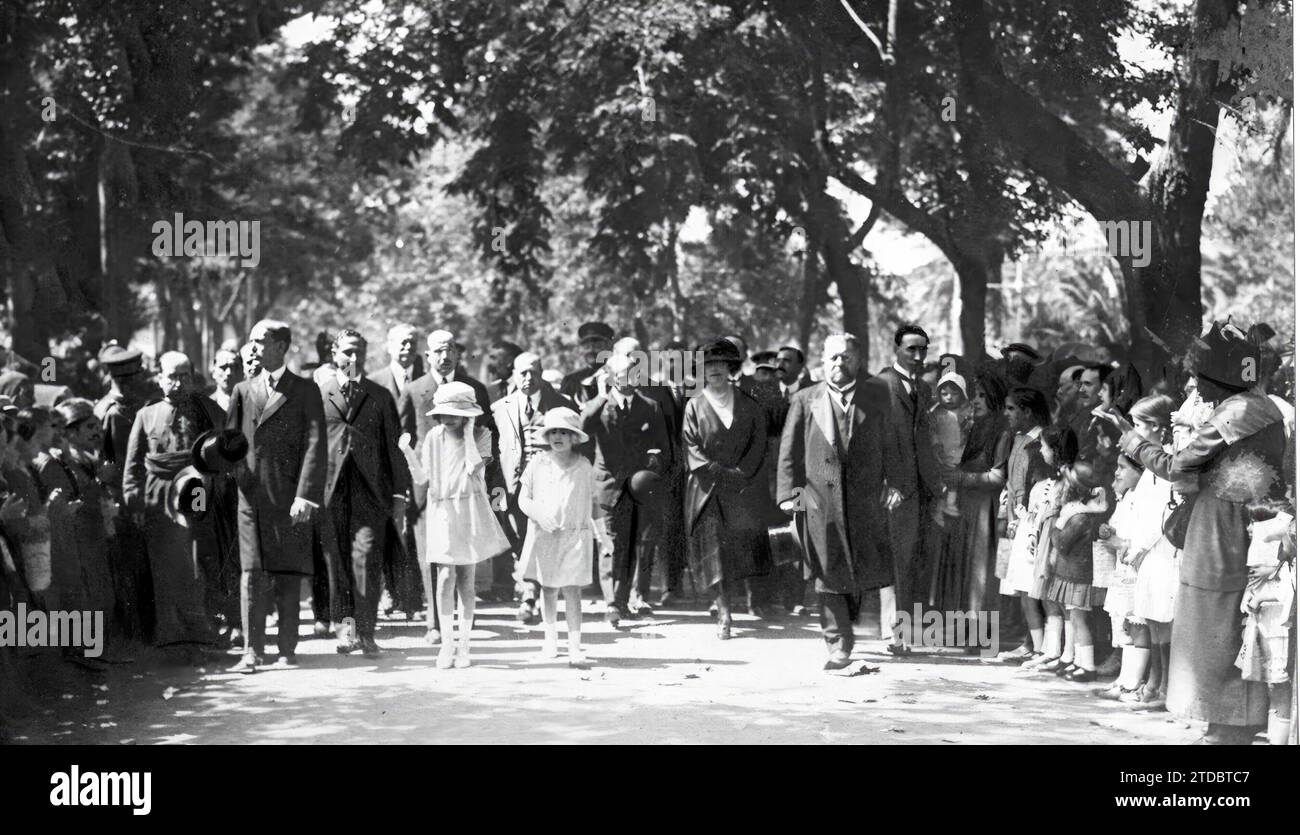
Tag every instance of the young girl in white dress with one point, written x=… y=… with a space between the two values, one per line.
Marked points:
x=461 y=531
x=555 y=492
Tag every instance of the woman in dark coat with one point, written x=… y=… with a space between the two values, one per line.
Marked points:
x=724 y=434
x=967 y=543
x=1235 y=456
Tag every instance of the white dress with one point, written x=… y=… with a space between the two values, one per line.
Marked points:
x=1020 y=566
x=1157 y=576
x=562 y=496
x=460 y=527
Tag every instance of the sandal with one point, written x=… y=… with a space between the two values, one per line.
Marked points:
x=1035 y=661
x=1051 y=666
x=1066 y=670
x=1080 y=675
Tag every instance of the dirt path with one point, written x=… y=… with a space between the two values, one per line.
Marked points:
x=665 y=679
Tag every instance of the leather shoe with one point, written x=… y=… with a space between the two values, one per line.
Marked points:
x=612 y=615
x=346 y=647
x=839 y=660
x=286 y=661
x=247 y=665
x=369 y=648
x=320 y=629
x=527 y=613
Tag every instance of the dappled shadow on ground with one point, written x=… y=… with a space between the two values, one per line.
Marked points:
x=664 y=679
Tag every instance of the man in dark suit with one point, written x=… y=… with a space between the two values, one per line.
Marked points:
x=788 y=587
x=366 y=485
x=413 y=409
x=910 y=467
x=629 y=434
x=401 y=574
x=675 y=380
x=596 y=341
x=518 y=419
x=281 y=482
x=403 y=363
x=829 y=469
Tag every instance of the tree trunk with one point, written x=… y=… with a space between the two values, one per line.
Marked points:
x=977 y=267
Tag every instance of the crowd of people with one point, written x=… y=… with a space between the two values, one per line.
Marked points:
x=1128 y=526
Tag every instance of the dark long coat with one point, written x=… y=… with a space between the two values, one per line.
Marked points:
x=837 y=493
x=286 y=459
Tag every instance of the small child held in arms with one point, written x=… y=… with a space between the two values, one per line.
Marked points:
x=950 y=420
x=556 y=494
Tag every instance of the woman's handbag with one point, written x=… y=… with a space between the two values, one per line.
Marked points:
x=1175 y=526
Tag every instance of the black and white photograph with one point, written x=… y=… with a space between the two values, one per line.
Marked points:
x=648 y=373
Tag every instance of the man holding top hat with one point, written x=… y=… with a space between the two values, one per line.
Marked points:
x=831 y=478
x=184 y=551
x=281 y=483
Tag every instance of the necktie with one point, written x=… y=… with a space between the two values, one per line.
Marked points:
x=528 y=410
x=270 y=386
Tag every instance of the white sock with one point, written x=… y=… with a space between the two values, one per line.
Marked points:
x=1279 y=728
x=888 y=612
x=1133 y=666
x=1052 y=644
x=1036 y=639
x=1083 y=658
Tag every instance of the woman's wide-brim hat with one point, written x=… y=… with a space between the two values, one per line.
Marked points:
x=1228 y=357
x=455 y=399
x=720 y=350
x=219 y=450
x=562 y=417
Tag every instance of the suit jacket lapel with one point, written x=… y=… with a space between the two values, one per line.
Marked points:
x=257 y=399
x=334 y=395
x=900 y=390
x=357 y=400
x=821 y=412
x=273 y=404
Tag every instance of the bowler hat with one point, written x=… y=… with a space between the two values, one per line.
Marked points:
x=217 y=451
x=594 y=330
x=644 y=486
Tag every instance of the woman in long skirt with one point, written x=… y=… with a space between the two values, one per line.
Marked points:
x=725 y=437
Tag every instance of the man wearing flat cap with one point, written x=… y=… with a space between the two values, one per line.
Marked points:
x=184 y=554
x=130 y=389
x=596 y=341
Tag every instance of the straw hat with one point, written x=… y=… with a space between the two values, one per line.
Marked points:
x=455 y=399
x=562 y=417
